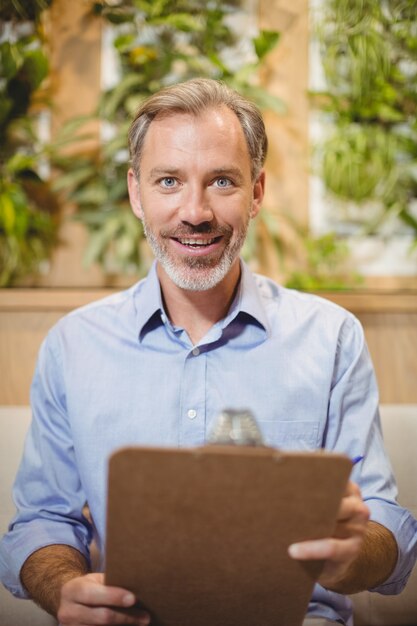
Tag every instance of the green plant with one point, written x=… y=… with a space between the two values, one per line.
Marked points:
x=27 y=204
x=157 y=43
x=325 y=267
x=303 y=260
x=369 y=52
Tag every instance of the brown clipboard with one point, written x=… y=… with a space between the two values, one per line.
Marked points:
x=201 y=535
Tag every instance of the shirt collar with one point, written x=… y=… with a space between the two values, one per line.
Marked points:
x=150 y=309
x=248 y=299
x=148 y=301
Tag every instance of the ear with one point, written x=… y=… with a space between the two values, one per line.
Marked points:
x=258 y=194
x=134 y=196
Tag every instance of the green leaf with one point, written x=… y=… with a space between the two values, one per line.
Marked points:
x=124 y=42
x=36 y=68
x=388 y=114
x=115 y=16
x=11 y=60
x=265 y=42
x=264 y=99
x=151 y=8
x=112 y=100
x=114 y=146
x=180 y=21
x=95 y=249
x=6 y=105
x=125 y=246
x=7 y=213
x=94 y=193
x=72 y=126
x=67 y=182
x=118 y=190
x=19 y=162
x=217 y=62
x=133 y=102
x=408 y=219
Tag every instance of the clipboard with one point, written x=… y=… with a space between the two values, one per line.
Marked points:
x=200 y=535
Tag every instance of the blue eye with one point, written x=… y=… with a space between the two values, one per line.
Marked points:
x=168 y=182
x=223 y=182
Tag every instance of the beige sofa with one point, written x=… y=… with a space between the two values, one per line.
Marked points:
x=400 y=432
x=400 y=429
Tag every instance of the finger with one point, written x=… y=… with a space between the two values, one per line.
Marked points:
x=353 y=489
x=351 y=526
x=337 y=550
x=353 y=510
x=346 y=530
x=99 y=616
x=107 y=615
x=86 y=600
x=90 y=616
x=90 y=591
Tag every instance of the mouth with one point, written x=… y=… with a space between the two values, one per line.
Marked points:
x=197 y=243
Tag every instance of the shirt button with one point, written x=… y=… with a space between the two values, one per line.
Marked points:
x=196 y=351
x=192 y=414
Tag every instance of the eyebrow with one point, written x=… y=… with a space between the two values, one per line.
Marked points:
x=234 y=172
x=163 y=171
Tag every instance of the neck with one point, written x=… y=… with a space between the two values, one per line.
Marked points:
x=198 y=311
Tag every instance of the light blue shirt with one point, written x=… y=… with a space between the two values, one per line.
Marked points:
x=116 y=373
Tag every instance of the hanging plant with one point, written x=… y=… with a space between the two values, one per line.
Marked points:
x=369 y=159
x=28 y=207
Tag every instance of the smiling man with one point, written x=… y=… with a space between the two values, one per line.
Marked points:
x=156 y=364
x=192 y=212
x=195 y=197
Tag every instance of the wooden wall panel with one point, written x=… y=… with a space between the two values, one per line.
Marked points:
x=74 y=36
x=392 y=341
x=390 y=324
x=285 y=75
x=21 y=334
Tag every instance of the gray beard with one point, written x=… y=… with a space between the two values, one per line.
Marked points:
x=196 y=274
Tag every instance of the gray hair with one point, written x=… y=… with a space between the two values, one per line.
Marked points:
x=193 y=97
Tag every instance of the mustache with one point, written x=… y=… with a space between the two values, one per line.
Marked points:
x=205 y=228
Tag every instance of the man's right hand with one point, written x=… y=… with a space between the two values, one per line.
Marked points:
x=86 y=600
x=56 y=577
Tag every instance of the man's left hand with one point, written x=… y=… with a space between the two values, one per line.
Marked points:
x=340 y=551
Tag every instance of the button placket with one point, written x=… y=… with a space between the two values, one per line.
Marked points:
x=193 y=397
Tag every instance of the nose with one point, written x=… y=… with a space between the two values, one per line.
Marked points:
x=195 y=208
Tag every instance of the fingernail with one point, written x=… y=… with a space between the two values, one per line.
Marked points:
x=294 y=550
x=129 y=599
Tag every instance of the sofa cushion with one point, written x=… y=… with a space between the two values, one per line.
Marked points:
x=14 y=423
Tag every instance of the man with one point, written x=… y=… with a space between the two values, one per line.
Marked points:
x=156 y=364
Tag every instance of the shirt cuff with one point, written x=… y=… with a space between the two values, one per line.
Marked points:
x=26 y=538
x=404 y=528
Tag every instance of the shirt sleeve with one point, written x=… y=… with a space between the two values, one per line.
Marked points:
x=47 y=491
x=354 y=428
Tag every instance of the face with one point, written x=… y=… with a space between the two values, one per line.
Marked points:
x=195 y=196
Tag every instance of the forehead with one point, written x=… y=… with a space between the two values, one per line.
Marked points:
x=213 y=135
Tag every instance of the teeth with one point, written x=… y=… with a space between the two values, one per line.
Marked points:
x=196 y=242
